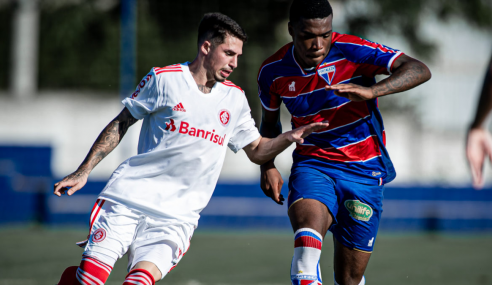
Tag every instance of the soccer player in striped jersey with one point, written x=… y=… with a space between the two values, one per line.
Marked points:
x=337 y=178
x=152 y=202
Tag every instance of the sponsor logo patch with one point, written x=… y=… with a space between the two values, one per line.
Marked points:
x=358 y=210
x=376 y=173
x=99 y=235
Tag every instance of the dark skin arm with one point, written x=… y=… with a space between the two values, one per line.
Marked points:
x=107 y=140
x=271 y=180
x=479 y=140
x=407 y=74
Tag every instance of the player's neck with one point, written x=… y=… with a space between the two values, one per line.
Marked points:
x=301 y=63
x=200 y=75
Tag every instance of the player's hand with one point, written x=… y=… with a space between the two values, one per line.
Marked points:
x=478 y=147
x=75 y=180
x=298 y=135
x=351 y=91
x=271 y=182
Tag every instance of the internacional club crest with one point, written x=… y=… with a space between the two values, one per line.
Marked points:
x=99 y=235
x=224 y=117
x=327 y=73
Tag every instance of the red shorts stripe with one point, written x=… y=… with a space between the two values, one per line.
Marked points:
x=97 y=209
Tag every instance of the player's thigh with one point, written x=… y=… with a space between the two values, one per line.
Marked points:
x=112 y=229
x=360 y=208
x=312 y=200
x=159 y=243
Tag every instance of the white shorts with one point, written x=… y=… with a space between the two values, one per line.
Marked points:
x=116 y=229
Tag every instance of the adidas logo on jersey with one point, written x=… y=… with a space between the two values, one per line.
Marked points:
x=179 y=107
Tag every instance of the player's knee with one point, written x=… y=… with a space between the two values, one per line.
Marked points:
x=307 y=251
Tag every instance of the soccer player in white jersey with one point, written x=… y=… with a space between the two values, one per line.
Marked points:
x=151 y=204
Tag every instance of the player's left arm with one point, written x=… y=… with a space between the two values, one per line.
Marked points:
x=264 y=149
x=407 y=73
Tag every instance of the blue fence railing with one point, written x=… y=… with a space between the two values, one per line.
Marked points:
x=26 y=189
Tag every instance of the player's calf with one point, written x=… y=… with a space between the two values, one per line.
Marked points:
x=139 y=277
x=305 y=263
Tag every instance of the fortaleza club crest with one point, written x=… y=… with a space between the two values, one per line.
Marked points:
x=224 y=117
x=358 y=210
x=327 y=73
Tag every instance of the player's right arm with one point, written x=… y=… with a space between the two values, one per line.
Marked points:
x=271 y=180
x=107 y=140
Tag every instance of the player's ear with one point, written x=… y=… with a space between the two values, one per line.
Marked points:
x=206 y=47
x=291 y=30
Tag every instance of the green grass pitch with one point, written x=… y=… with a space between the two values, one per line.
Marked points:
x=37 y=256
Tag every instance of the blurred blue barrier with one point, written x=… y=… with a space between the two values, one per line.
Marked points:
x=26 y=190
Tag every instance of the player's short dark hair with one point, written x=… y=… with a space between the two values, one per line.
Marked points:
x=214 y=27
x=309 y=9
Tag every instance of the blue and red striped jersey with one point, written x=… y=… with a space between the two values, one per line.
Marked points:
x=353 y=146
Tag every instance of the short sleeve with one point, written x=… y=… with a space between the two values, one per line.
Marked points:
x=269 y=100
x=145 y=98
x=373 y=57
x=245 y=131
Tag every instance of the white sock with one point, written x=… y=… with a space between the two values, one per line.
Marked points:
x=307 y=251
x=362 y=282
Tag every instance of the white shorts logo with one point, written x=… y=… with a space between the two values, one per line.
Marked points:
x=99 y=235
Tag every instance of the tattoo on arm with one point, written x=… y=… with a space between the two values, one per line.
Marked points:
x=407 y=76
x=107 y=140
x=204 y=88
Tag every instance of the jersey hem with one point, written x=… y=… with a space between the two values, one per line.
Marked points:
x=150 y=212
x=359 y=178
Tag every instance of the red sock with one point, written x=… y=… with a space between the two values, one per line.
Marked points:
x=139 y=277
x=68 y=276
x=92 y=271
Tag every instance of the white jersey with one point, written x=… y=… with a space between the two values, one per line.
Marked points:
x=182 y=144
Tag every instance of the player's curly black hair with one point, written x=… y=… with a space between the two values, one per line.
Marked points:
x=214 y=27
x=309 y=9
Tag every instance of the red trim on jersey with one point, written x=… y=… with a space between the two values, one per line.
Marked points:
x=360 y=151
x=393 y=63
x=339 y=116
x=169 y=68
x=230 y=84
x=350 y=39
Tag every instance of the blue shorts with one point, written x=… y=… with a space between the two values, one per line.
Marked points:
x=356 y=208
